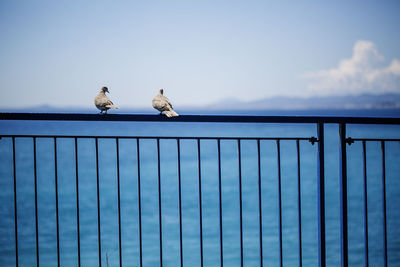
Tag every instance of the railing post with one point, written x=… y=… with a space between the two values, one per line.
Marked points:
x=36 y=201
x=98 y=199
x=321 y=196
x=200 y=202
x=343 y=195
x=260 y=202
x=56 y=192
x=278 y=148
x=221 y=243
x=180 y=201
x=77 y=202
x=159 y=201
x=364 y=150
x=139 y=202
x=384 y=204
x=119 y=204
x=15 y=203
x=240 y=203
x=299 y=200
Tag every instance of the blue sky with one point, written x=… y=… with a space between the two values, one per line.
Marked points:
x=61 y=53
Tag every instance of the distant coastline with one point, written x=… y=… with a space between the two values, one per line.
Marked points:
x=350 y=102
x=384 y=105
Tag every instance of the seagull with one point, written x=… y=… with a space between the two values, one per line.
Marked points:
x=161 y=103
x=102 y=102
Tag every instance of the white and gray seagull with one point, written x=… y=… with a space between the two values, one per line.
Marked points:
x=102 y=102
x=162 y=104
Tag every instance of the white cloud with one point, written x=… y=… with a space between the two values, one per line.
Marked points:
x=364 y=72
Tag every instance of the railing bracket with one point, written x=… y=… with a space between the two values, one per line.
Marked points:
x=349 y=141
x=313 y=140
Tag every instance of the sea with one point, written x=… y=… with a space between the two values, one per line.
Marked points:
x=231 y=245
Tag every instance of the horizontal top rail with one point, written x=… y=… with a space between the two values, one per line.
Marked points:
x=311 y=139
x=197 y=118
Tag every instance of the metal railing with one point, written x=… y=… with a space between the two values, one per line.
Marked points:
x=320 y=122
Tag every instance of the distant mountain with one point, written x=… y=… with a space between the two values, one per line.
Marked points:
x=364 y=101
x=366 y=104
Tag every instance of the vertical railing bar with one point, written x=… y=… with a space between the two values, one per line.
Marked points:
x=384 y=203
x=119 y=203
x=278 y=146
x=36 y=202
x=299 y=200
x=260 y=201
x=200 y=203
x=180 y=201
x=98 y=199
x=159 y=200
x=343 y=195
x=15 y=204
x=139 y=202
x=365 y=203
x=321 y=195
x=220 y=203
x=240 y=203
x=77 y=202
x=56 y=189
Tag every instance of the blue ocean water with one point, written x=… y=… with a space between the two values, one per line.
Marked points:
x=190 y=195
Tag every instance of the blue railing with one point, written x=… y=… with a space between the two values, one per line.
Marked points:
x=319 y=139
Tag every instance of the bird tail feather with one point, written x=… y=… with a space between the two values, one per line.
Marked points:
x=171 y=113
x=112 y=106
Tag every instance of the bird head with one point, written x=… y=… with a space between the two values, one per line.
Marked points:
x=105 y=90
x=161 y=91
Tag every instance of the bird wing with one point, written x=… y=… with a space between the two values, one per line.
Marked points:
x=167 y=102
x=103 y=101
